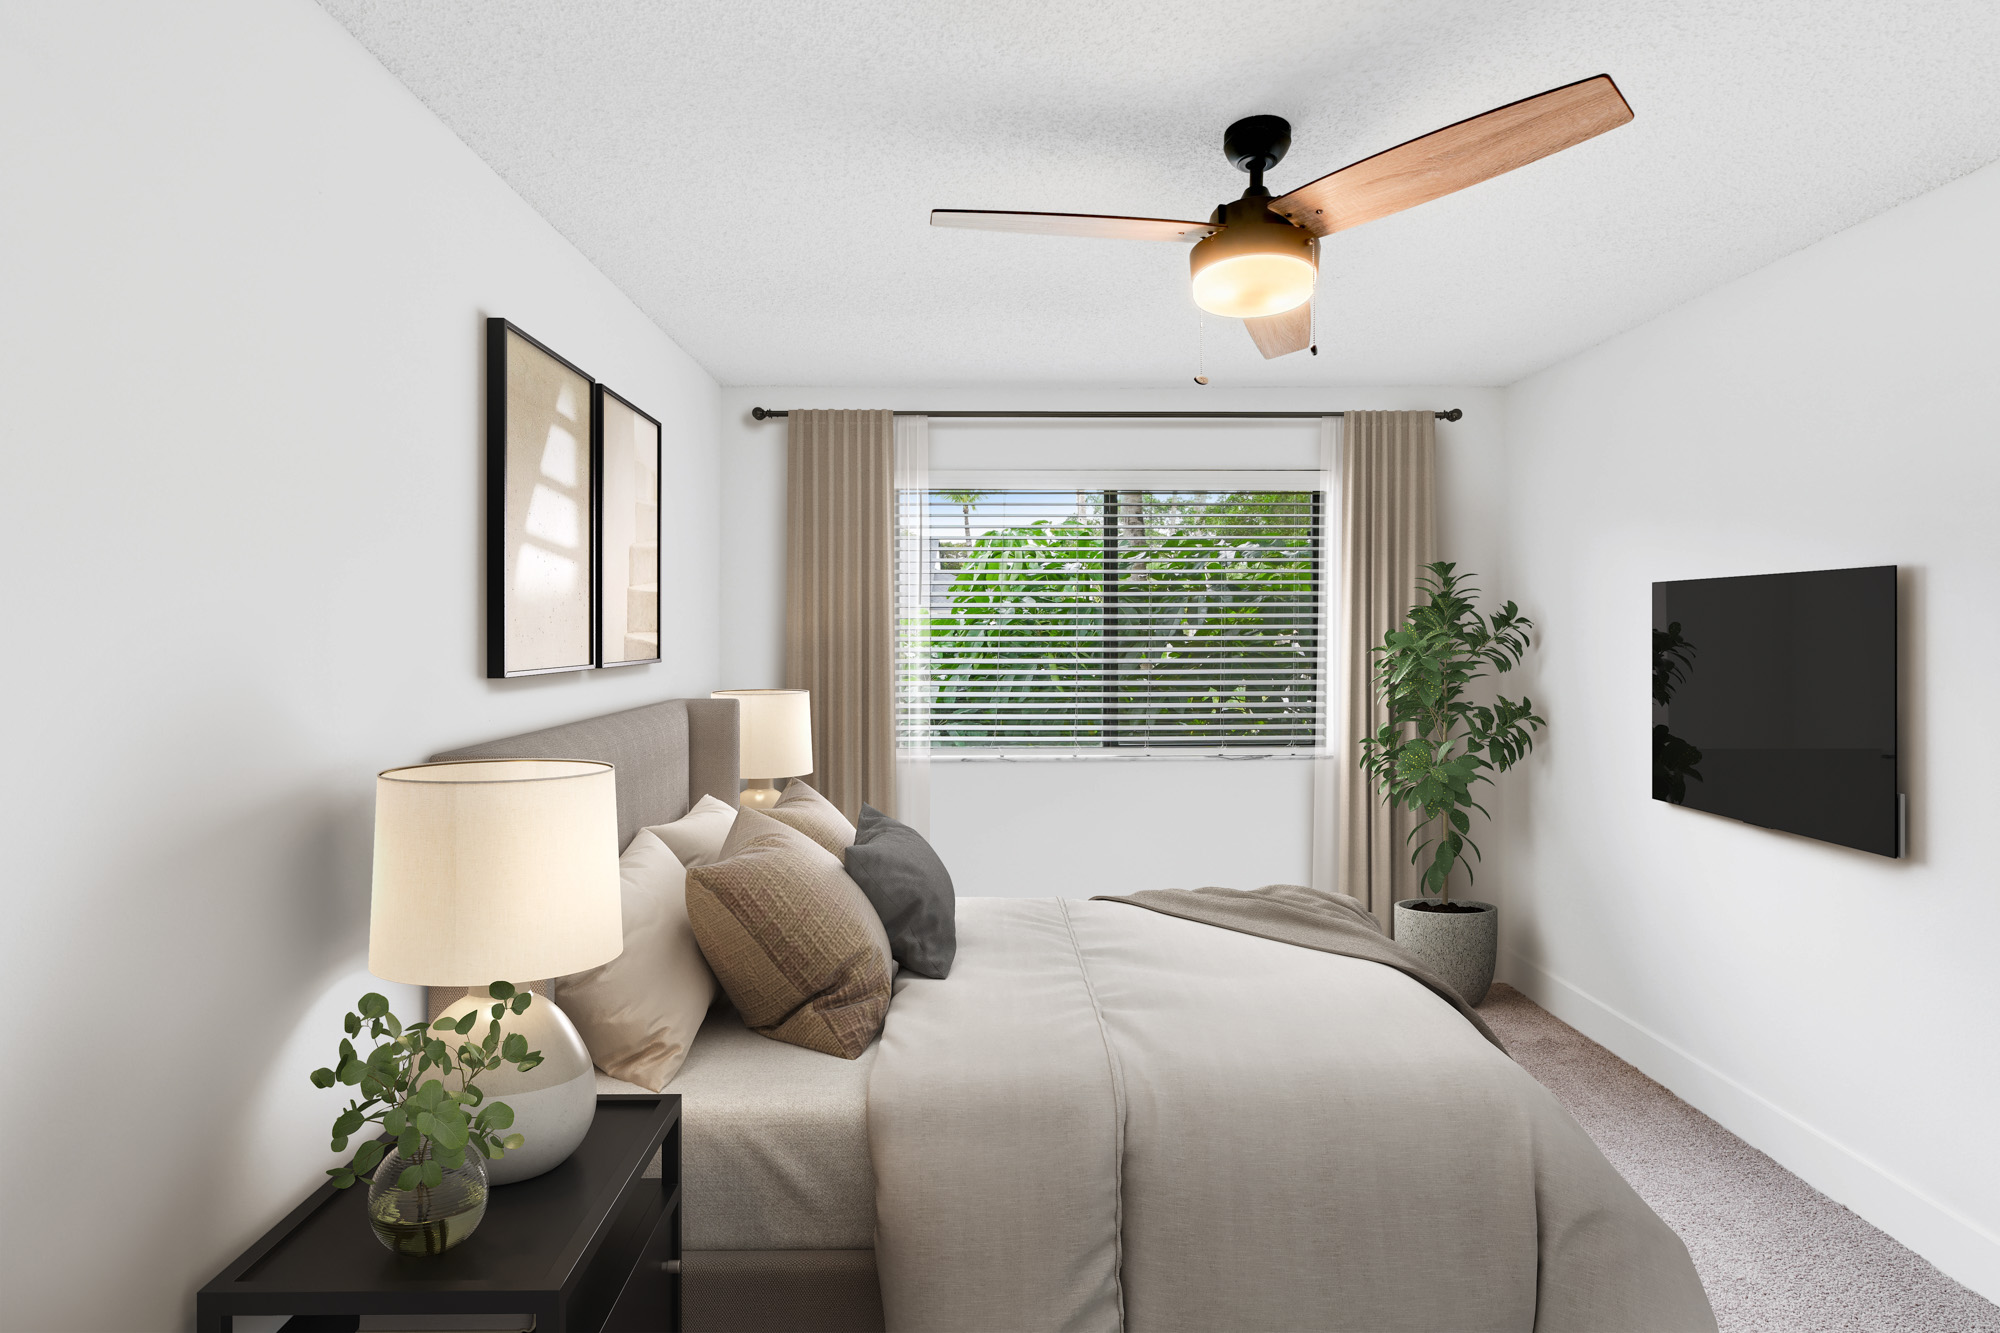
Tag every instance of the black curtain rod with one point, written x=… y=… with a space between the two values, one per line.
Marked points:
x=766 y=413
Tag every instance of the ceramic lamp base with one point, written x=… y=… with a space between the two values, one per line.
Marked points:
x=553 y=1103
x=759 y=795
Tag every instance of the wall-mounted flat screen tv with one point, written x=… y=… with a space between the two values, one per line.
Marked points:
x=1774 y=702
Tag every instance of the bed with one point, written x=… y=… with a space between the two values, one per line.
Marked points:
x=1109 y=1118
x=778 y=1220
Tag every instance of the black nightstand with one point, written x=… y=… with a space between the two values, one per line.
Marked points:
x=592 y=1245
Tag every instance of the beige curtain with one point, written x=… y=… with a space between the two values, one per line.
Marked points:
x=1388 y=532
x=840 y=626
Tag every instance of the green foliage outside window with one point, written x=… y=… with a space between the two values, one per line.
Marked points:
x=1141 y=618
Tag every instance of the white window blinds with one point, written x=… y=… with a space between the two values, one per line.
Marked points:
x=1108 y=619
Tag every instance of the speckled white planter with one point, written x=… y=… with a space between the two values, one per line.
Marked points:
x=1459 y=946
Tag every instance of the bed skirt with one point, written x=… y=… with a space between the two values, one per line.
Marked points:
x=780 y=1291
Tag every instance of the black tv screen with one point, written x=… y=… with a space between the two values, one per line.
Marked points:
x=1774 y=702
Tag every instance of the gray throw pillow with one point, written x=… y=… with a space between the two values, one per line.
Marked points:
x=909 y=889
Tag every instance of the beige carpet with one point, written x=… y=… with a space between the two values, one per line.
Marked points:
x=1774 y=1253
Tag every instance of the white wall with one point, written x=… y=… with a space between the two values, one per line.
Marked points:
x=1834 y=1008
x=243 y=275
x=1089 y=826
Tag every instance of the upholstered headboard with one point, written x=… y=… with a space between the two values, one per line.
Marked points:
x=668 y=755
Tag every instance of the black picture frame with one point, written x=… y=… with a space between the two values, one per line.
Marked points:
x=541 y=539
x=625 y=523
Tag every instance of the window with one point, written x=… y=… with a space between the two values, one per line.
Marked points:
x=1107 y=619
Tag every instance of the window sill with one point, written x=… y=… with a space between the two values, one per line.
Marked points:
x=1113 y=756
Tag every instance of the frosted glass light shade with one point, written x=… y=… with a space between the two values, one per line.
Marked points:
x=1257 y=265
x=1251 y=286
x=494 y=870
x=775 y=731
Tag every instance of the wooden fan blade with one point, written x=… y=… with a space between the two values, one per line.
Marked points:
x=1095 y=225
x=1447 y=160
x=1289 y=330
x=1283 y=333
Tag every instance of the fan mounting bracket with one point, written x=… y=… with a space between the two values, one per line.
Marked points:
x=1256 y=144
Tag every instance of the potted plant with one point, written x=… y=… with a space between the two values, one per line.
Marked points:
x=1436 y=744
x=428 y=1191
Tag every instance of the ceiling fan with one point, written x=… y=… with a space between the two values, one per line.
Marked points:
x=1257 y=259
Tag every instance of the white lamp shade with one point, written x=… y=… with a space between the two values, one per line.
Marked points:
x=775 y=731
x=494 y=870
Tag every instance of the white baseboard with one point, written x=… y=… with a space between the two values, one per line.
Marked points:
x=1959 y=1246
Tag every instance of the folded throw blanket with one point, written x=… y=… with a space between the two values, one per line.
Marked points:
x=1308 y=918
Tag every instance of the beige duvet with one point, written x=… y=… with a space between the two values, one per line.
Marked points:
x=1109 y=1118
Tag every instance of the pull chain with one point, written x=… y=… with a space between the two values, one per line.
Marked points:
x=1201 y=347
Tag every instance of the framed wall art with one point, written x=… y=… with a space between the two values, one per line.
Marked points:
x=540 y=528
x=628 y=532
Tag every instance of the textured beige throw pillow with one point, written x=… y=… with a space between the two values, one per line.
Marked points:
x=697 y=836
x=639 y=1012
x=791 y=938
x=813 y=815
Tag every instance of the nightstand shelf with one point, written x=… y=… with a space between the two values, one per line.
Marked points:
x=593 y=1245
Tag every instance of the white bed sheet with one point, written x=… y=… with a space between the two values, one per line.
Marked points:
x=774 y=1143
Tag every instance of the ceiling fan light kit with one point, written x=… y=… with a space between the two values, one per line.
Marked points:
x=1257 y=264
x=1257 y=259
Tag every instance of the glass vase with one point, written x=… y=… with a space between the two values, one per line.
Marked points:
x=429 y=1219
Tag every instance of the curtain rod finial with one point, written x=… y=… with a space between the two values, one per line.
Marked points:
x=1452 y=415
x=758 y=414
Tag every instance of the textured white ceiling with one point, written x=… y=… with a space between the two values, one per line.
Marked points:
x=756 y=174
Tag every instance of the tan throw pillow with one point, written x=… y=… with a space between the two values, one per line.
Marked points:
x=697 y=836
x=759 y=824
x=815 y=816
x=639 y=1013
x=792 y=939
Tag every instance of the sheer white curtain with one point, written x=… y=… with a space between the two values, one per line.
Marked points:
x=1326 y=757
x=913 y=563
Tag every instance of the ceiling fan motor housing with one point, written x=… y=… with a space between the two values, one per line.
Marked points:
x=1257 y=264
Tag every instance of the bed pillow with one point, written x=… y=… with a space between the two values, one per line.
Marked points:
x=813 y=815
x=639 y=1012
x=909 y=888
x=792 y=939
x=697 y=836
x=744 y=831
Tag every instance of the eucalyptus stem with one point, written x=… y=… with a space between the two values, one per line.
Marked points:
x=432 y=1128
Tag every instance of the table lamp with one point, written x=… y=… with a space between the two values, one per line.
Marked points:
x=503 y=870
x=775 y=740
